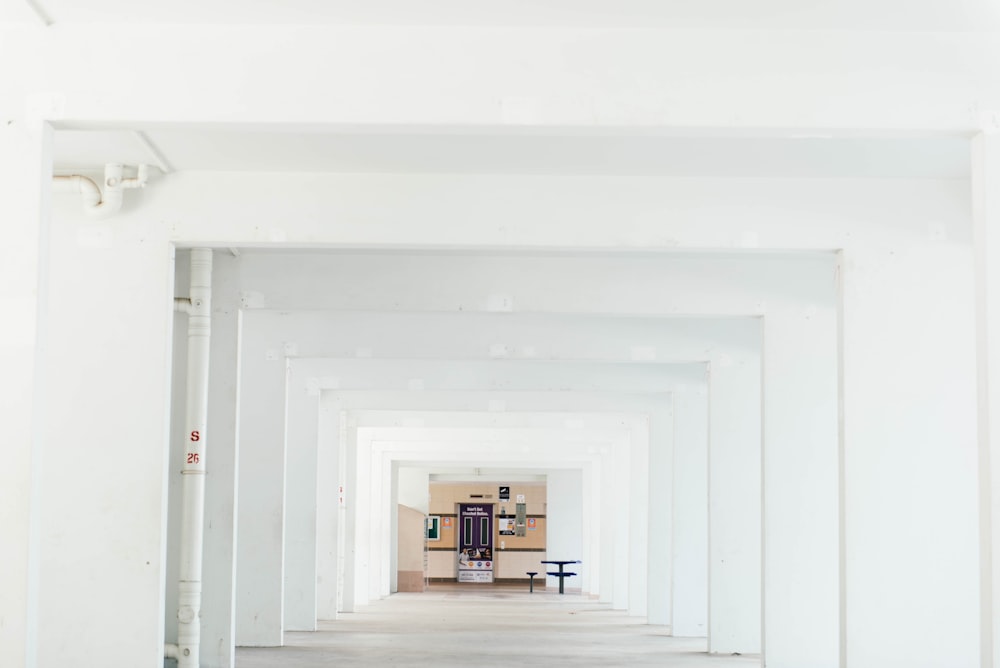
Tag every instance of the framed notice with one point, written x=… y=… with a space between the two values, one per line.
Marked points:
x=434 y=527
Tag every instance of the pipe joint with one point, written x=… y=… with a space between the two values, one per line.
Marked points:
x=96 y=203
x=186 y=614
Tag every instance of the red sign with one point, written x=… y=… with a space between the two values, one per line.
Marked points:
x=447 y=522
x=531 y=522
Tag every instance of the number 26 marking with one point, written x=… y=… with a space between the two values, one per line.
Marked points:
x=193 y=458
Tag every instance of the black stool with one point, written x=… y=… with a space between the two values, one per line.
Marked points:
x=531 y=580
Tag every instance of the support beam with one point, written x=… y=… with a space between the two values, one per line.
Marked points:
x=910 y=445
x=25 y=166
x=734 y=504
x=301 y=497
x=218 y=610
x=986 y=227
x=261 y=520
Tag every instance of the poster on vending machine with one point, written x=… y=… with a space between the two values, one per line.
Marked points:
x=475 y=542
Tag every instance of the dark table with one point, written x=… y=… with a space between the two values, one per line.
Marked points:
x=562 y=575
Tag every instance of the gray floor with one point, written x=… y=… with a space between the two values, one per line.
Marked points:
x=475 y=626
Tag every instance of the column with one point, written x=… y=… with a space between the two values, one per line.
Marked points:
x=218 y=605
x=301 y=434
x=801 y=586
x=103 y=506
x=328 y=507
x=25 y=165
x=261 y=518
x=986 y=235
x=734 y=507
x=911 y=552
x=689 y=564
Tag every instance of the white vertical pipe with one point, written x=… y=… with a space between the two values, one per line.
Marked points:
x=192 y=521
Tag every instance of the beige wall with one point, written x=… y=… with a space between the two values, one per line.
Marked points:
x=410 y=533
x=520 y=554
x=444 y=496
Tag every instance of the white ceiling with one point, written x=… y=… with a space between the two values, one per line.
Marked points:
x=892 y=15
x=492 y=150
x=631 y=154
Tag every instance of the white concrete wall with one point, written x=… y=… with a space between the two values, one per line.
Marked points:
x=301 y=489
x=800 y=472
x=102 y=546
x=689 y=586
x=414 y=488
x=734 y=503
x=873 y=79
x=910 y=453
x=24 y=164
x=260 y=553
x=564 y=523
x=986 y=209
x=329 y=526
x=430 y=398
x=547 y=337
x=575 y=339
x=855 y=206
x=876 y=80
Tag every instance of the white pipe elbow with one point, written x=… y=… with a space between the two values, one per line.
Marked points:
x=89 y=191
x=95 y=203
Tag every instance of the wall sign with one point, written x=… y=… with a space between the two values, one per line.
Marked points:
x=434 y=527
x=522 y=510
x=505 y=493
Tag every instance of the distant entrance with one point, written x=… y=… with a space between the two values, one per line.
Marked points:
x=475 y=542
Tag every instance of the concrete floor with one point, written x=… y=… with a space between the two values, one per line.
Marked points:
x=482 y=625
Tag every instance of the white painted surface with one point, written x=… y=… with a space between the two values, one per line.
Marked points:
x=800 y=463
x=986 y=209
x=734 y=501
x=103 y=546
x=889 y=15
x=910 y=448
x=301 y=490
x=689 y=589
x=328 y=512
x=466 y=400
x=680 y=79
x=575 y=338
x=24 y=155
x=219 y=567
x=442 y=335
x=413 y=487
x=581 y=153
x=564 y=524
x=260 y=547
x=908 y=368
